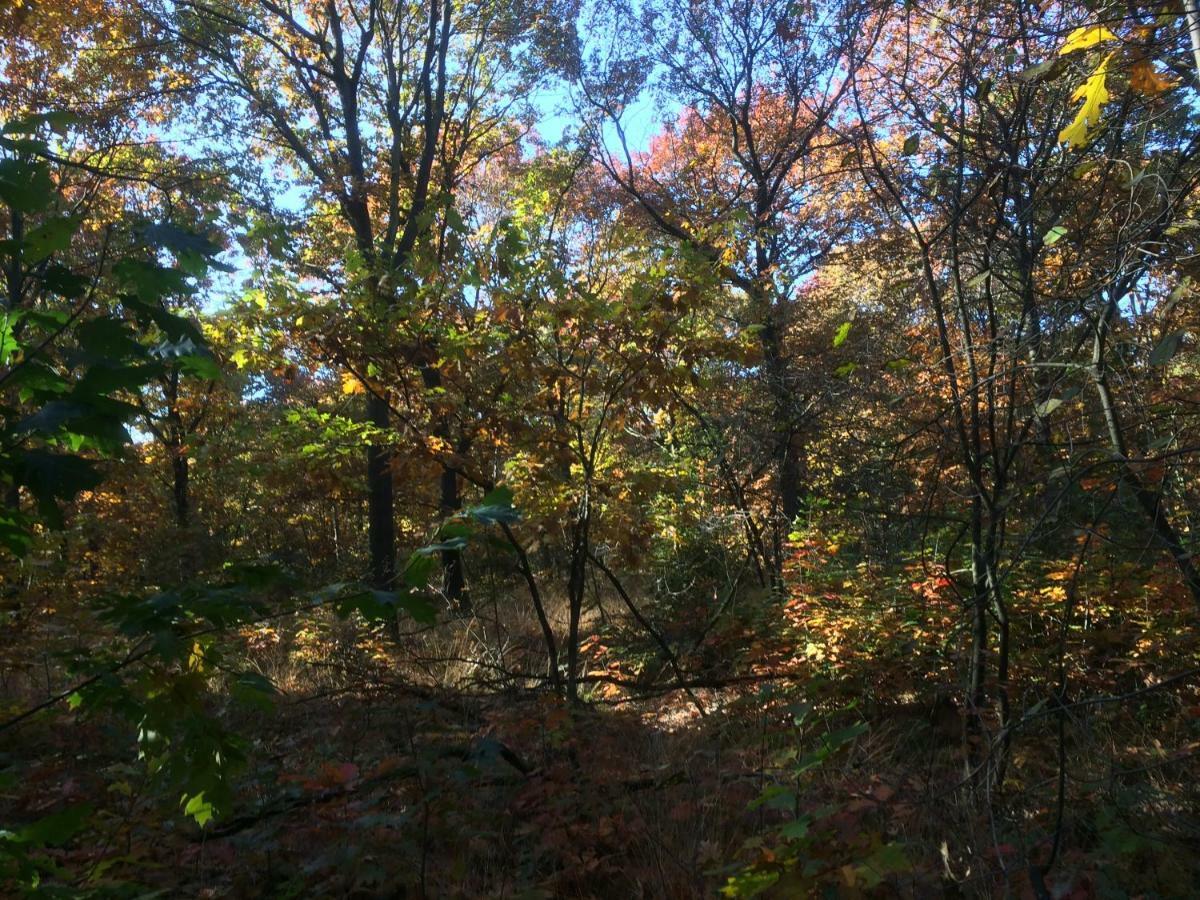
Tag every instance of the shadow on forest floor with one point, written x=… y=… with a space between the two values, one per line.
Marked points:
x=799 y=778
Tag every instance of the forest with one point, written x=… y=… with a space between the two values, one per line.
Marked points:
x=600 y=448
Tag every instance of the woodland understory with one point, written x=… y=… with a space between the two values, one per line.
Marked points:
x=599 y=448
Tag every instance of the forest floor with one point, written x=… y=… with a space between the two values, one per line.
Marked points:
x=826 y=755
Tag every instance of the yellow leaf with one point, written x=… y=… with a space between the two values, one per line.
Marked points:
x=1085 y=37
x=196 y=658
x=1144 y=79
x=1094 y=94
x=351 y=385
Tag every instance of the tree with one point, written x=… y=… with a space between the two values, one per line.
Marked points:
x=383 y=108
x=748 y=179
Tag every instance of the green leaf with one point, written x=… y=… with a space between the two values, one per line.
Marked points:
x=201 y=365
x=24 y=186
x=375 y=605
x=845 y=735
x=1166 y=349
x=912 y=143
x=889 y=859
x=194 y=252
x=750 y=883
x=179 y=240
x=495 y=515
x=106 y=338
x=255 y=690
x=1046 y=407
x=105 y=378
x=151 y=282
x=978 y=280
x=421 y=610
x=1044 y=71
x=501 y=495
x=14 y=533
x=8 y=342
x=1054 y=235
x=843 y=332
x=55 y=829
x=55 y=476
x=50 y=237
x=795 y=830
x=774 y=797
x=64 y=282
x=453 y=545
x=58 y=120
x=198 y=808
x=419 y=570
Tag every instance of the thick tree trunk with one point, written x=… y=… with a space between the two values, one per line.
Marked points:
x=787 y=459
x=790 y=468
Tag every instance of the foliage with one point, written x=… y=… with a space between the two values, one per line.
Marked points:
x=640 y=448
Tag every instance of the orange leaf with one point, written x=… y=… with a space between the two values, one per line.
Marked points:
x=1144 y=79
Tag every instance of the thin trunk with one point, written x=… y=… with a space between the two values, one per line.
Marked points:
x=535 y=595
x=1000 y=612
x=576 y=582
x=179 y=470
x=381 y=525
x=453 y=579
x=977 y=675
x=1193 y=20
x=1152 y=503
x=671 y=659
x=337 y=535
x=14 y=283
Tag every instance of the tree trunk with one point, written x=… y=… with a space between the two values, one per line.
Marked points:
x=576 y=582
x=787 y=460
x=1152 y=503
x=381 y=525
x=453 y=579
x=539 y=608
x=179 y=471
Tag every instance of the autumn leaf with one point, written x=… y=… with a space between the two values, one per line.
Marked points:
x=351 y=385
x=1145 y=80
x=1086 y=37
x=1094 y=94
